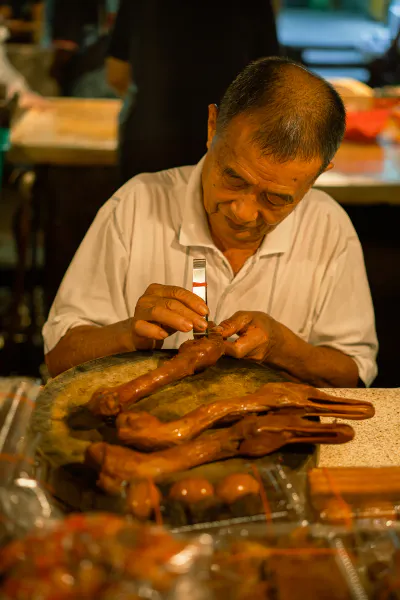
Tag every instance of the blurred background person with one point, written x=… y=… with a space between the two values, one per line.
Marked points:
x=78 y=32
x=13 y=81
x=181 y=56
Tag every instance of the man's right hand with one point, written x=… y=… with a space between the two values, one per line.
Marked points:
x=163 y=310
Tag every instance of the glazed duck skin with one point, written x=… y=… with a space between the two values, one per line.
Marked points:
x=253 y=436
x=118 y=464
x=193 y=356
x=146 y=432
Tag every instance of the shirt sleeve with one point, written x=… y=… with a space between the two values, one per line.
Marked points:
x=345 y=315
x=92 y=291
x=120 y=42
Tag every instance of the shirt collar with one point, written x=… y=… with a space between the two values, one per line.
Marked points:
x=194 y=230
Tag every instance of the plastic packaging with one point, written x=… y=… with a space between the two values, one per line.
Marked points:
x=100 y=556
x=257 y=491
x=376 y=554
x=343 y=495
x=282 y=561
x=24 y=503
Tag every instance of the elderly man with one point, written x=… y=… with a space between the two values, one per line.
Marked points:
x=286 y=278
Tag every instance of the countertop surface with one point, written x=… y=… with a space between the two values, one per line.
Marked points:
x=377 y=440
x=70 y=131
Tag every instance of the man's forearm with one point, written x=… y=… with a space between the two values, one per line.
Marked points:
x=84 y=343
x=318 y=365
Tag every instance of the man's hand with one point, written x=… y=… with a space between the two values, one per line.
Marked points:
x=257 y=335
x=263 y=339
x=163 y=310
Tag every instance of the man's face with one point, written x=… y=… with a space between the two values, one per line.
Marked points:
x=245 y=194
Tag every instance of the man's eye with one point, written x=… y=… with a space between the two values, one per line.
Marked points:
x=235 y=181
x=277 y=200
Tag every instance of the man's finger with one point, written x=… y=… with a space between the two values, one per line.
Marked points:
x=167 y=318
x=235 y=324
x=149 y=330
x=247 y=344
x=187 y=298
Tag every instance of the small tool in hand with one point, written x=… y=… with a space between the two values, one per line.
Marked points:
x=200 y=287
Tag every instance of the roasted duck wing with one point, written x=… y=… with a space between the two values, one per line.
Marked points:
x=193 y=356
x=146 y=432
x=253 y=436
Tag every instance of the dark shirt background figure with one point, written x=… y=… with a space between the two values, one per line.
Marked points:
x=182 y=56
x=79 y=35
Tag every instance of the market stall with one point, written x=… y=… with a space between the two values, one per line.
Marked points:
x=266 y=520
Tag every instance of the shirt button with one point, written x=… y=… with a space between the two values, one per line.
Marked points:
x=56 y=320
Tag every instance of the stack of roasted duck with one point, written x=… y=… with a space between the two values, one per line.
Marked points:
x=250 y=426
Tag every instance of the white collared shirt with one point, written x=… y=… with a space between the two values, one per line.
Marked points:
x=309 y=273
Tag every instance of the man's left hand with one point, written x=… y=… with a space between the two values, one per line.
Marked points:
x=257 y=333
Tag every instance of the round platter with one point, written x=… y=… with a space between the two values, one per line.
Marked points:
x=66 y=428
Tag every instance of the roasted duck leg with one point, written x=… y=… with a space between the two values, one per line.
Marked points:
x=145 y=432
x=193 y=356
x=265 y=434
x=253 y=436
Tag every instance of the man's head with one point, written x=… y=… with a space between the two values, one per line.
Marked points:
x=277 y=129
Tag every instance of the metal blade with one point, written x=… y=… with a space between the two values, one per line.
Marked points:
x=199 y=286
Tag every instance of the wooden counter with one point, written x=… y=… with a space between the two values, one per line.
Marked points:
x=364 y=174
x=377 y=440
x=72 y=131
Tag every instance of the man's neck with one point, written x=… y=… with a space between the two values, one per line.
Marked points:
x=236 y=255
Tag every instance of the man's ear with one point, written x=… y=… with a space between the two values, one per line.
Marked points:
x=329 y=167
x=212 y=123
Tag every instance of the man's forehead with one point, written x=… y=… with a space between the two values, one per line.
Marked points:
x=249 y=162
x=237 y=145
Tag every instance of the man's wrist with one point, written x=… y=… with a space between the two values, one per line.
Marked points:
x=125 y=335
x=276 y=343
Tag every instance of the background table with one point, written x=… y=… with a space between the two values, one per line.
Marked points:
x=72 y=131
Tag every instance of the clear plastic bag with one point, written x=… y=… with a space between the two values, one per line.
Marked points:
x=102 y=556
x=376 y=554
x=342 y=495
x=247 y=491
x=282 y=561
x=24 y=502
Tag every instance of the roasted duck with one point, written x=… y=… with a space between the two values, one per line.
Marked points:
x=253 y=436
x=235 y=486
x=191 y=490
x=193 y=356
x=146 y=432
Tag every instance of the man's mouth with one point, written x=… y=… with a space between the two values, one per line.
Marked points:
x=240 y=227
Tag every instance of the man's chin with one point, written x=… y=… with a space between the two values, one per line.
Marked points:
x=251 y=235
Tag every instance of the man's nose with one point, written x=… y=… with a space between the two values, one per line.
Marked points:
x=245 y=210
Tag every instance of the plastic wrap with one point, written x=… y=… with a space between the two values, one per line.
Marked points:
x=24 y=502
x=246 y=491
x=99 y=556
x=376 y=555
x=342 y=495
x=282 y=562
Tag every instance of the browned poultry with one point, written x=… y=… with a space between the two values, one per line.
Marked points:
x=193 y=356
x=146 y=432
x=253 y=436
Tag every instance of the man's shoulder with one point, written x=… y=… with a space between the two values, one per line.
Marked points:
x=322 y=209
x=161 y=183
